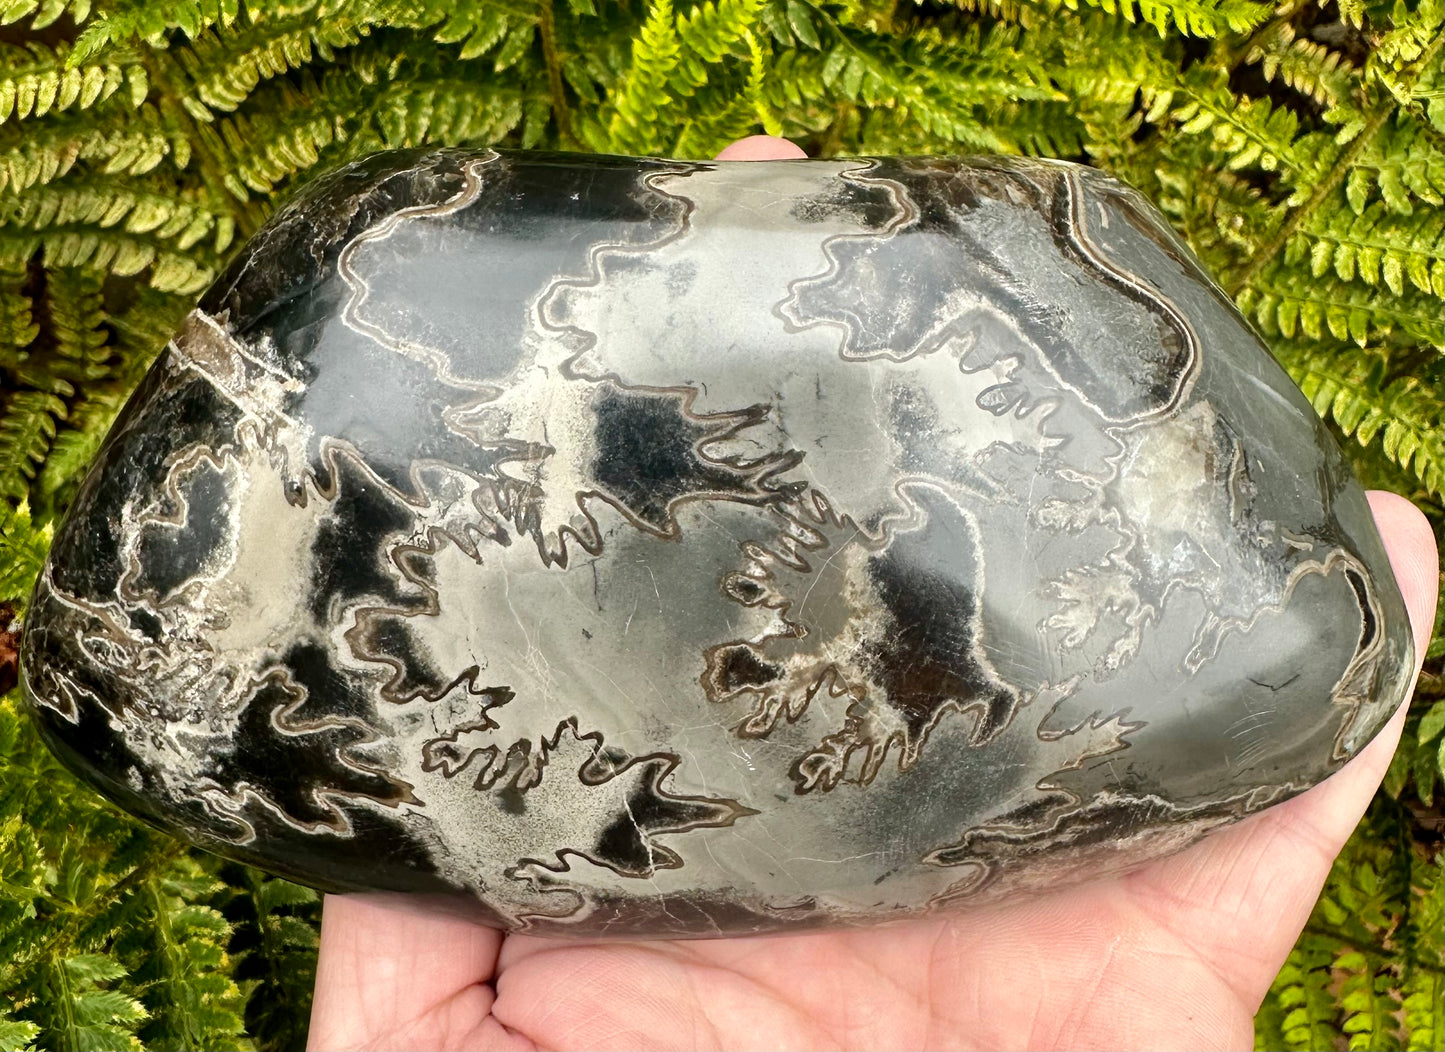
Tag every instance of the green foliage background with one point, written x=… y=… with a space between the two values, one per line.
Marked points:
x=1299 y=146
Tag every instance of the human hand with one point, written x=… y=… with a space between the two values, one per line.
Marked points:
x=1176 y=954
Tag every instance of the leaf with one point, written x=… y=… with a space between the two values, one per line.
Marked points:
x=16 y=1035
x=802 y=24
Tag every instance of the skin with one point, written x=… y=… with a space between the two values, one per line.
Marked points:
x=1177 y=954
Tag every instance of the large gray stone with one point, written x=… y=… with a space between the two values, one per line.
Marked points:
x=658 y=548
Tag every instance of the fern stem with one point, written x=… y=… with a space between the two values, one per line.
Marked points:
x=171 y=956
x=833 y=142
x=547 y=29
x=67 y=1004
x=1265 y=255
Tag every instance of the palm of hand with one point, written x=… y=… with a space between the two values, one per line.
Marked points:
x=1177 y=954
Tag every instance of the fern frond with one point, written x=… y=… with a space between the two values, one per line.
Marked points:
x=699 y=57
x=186 y=995
x=77 y=326
x=1301 y=990
x=147 y=20
x=38 y=154
x=477 y=29
x=99 y=1017
x=727 y=113
x=102 y=204
x=1373 y=246
x=17 y=320
x=73 y=352
x=290 y=131
x=1350 y=388
x=120 y=254
x=75 y=445
x=1423 y=983
x=1338 y=987
x=125 y=939
x=710 y=52
x=1200 y=18
x=1323 y=74
x=1020 y=12
x=121 y=226
x=23 y=544
x=394 y=98
x=43 y=13
x=1282 y=302
x=1368 y=1001
x=226 y=62
x=633 y=111
x=1248 y=132
x=144 y=325
x=16 y=1035
x=275 y=947
x=944 y=91
x=1403 y=162
x=1103 y=64
x=714 y=31
x=446 y=111
x=1420 y=757
x=26 y=430
x=1409 y=49
x=138 y=333
x=36 y=80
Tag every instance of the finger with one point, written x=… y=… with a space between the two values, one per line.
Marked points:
x=396 y=976
x=761 y=148
x=1415 y=559
x=1241 y=897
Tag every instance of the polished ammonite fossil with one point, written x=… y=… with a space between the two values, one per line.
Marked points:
x=645 y=547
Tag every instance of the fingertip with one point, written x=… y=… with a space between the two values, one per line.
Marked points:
x=1414 y=556
x=761 y=148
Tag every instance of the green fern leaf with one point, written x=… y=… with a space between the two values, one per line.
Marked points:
x=226 y=62
x=445 y=111
x=16 y=1035
x=43 y=13
x=36 y=80
x=148 y=20
x=1301 y=991
x=1404 y=163
x=26 y=430
x=1374 y=246
x=39 y=154
x=1423 y=984
x=17 y=321
x=100 y=204
x=1368 y=1002
x=478 y=29
x=1323 y=74
x=1404 y=413
x=1328 y=307
x=97 y=1017
x=634 y=108
x=23 y=544
x=1200 y=18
